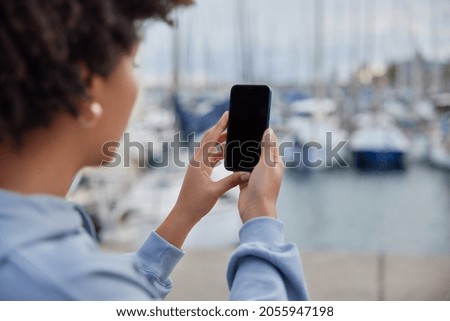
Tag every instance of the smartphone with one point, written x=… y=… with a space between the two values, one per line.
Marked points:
x=248 y=119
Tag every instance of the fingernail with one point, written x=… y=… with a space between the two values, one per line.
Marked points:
x=245 y=177
x=268 y=134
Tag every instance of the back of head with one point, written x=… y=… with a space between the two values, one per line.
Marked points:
x=44 y=43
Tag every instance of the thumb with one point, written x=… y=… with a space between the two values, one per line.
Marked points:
x=266 y=145
x=231 y=181
x=267 y=138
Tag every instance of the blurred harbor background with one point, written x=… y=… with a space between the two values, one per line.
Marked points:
x=374 y=74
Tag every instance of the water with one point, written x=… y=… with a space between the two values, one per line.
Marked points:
x=344 y=210
x=340 y=209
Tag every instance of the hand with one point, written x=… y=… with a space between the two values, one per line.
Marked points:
x=199 y=193
x=258 y=196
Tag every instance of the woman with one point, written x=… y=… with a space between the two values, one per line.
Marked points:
x=66 y=88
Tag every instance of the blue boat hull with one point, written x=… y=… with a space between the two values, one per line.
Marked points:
x=367 y=160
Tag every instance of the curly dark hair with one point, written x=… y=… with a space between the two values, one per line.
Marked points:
x=43 y=43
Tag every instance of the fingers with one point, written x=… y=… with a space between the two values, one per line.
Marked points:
x=270 y=153
x=222 y=138
x=245 y=178
x=275 y=151
x=266 y=139
x=214 y=133
x=231 y=181
x=213 y=162
x=212 y=137
x=267 y=146
x=216 y=154
x=217 y=151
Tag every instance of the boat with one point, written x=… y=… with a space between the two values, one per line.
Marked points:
x=440 y=137
x=203 y=115
x=314 y=131
x=378 y=144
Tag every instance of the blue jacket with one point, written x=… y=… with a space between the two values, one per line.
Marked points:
x=48 y=251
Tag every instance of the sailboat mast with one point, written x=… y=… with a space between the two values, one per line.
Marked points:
x=318 y=49
x=175 y=56
x=435 y=86
x=401 y=77
x=244 y=36
x=416 y=72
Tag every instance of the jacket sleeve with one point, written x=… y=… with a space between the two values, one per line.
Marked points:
x=263 y=267
x=156 y=259
x=142 y=275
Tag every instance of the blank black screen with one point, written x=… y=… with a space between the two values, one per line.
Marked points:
x=249 y=118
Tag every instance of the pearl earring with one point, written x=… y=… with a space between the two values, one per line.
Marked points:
x=96 y=112
x=96 y=109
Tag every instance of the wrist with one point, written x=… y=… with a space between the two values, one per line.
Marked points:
x=260 y=210
x=176 y=228
x=182 y=217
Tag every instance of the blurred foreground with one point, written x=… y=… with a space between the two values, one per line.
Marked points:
x=329 y=275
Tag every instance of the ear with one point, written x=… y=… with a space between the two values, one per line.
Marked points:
x=90 y=110
x=94 y=83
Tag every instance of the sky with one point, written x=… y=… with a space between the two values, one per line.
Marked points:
x=274 y=41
